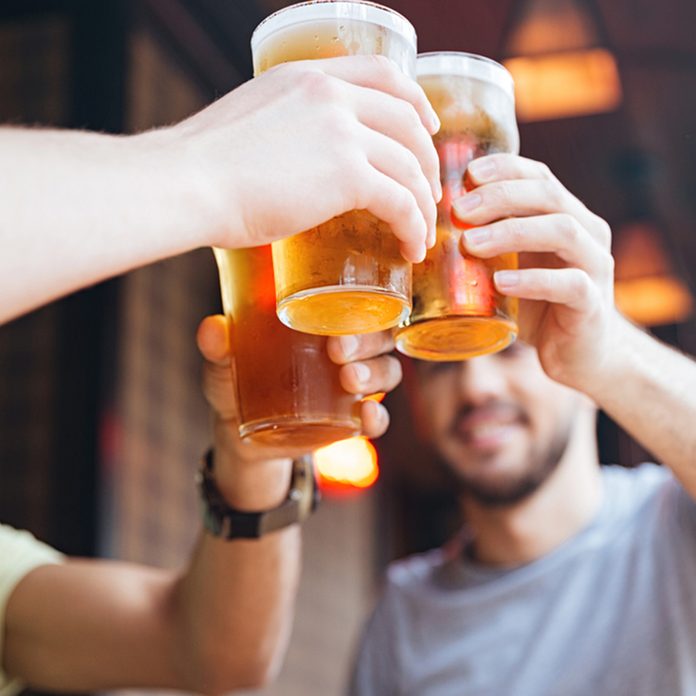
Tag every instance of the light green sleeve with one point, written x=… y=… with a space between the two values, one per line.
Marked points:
x=20 y=553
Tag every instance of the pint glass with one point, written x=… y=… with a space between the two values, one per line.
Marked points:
x=288 y=391
x=345 y=276
x=457 y=313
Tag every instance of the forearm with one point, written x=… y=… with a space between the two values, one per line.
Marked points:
x=651 y=394
x=222 y=624
x=79 y=207
x=236 y=601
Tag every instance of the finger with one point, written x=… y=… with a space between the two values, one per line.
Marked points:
x=344 y=349
x=375 y=419
x=219 y=389
x=520 y=198
x=399 y=121
x=571 y=287
x=397 y=206
x=504 y=167
x=370 y=376
x=213 y=339
x=401 y=165
x=381 y=73
x=507 y=167
x=557 y=233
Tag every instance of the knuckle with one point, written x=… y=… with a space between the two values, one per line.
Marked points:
x=501 y=194
x=404 y=204
x=608 y=265
x=413 y=174
x=569 y=228
x=545 y=171
x=580 y=284
x=504 y=161
x=410 y=117
x=603 y=231
x=382 y=66
x=319 y=87
x=514 y=231
x=554 y=192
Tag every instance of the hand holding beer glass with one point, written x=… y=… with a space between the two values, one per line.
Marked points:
x=457 y=312
x=347 y=275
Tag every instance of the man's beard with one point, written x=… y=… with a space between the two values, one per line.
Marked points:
x=513 y=489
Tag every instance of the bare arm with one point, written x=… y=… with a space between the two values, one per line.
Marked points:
x=652 y=394
x=78 y=207
x=222 y=623
x=280 y=154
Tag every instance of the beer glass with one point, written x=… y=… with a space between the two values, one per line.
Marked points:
x=345 y=276
x=457 y=312
x=288 y=391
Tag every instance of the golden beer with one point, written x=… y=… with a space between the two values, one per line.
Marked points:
x=288 y=391
x=457 y=312
x=345 y=276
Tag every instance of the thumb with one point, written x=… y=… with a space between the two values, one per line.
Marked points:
x=214 y=340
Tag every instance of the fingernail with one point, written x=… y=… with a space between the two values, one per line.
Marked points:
x=467 y=203
x=483 y=169
x=419 y=256
x=437 y=191
x=506 y=280
x=362 y=373
x=476 y=236
x=432 y=238
x=434 y=123
x=349 y=346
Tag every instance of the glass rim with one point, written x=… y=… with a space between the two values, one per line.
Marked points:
x=361 y=10
x=465 y=64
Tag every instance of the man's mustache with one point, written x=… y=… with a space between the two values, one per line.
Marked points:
x=494 y=410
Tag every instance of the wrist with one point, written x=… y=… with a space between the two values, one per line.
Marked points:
x=179 y=195
x=251 y=486
x=206 y=193
x=617 y=361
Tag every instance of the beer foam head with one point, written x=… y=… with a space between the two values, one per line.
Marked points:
x=471 y=95
x=338 y=10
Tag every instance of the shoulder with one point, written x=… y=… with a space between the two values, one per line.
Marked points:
x=20 y=553
x=649 y=494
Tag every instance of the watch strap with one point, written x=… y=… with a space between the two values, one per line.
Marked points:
x=223 y=521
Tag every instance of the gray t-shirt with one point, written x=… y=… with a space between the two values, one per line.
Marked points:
x=612 y=611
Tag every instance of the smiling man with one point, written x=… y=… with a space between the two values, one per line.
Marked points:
x=568 y=578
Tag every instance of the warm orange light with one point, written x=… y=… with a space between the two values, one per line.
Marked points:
x=347 y=465
x=654 y=301
x=558 y=85
x=378 y=397
x=647 y=289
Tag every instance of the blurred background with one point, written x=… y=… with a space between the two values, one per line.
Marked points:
x=102 y=421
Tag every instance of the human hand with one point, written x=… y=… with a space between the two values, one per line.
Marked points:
x=309 y=140
x=565 y=282
x=256 y=477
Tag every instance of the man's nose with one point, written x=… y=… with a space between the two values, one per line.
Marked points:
x=481 y=379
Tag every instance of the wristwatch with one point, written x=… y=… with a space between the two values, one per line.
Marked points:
x=223 y=521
